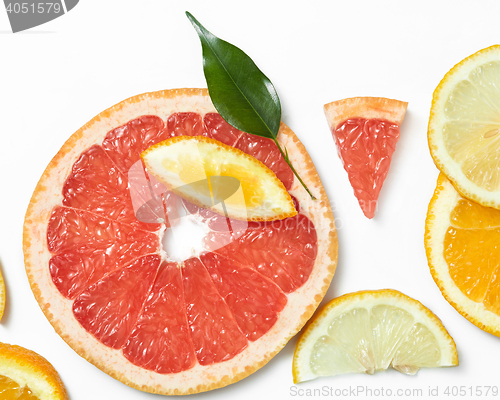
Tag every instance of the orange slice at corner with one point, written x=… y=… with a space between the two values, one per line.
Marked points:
x=366 y=130
x=219 y=177
x=26 y=375
x=2 y=295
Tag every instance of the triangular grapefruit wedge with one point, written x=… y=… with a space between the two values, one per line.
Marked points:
x=366 y=130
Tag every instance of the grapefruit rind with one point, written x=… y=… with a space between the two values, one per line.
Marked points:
x=58 y=310
x=365 y=107
x=27 y=368
x=443 y=160
x=442 y=204
x=275 y=202
x=318 y=325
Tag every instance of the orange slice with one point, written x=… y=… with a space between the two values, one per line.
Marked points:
x=461 y=241
x=26 y=375
x=103 y=276
x=2 y=295
x=369 y=331
x=366 y=130
x=219 y=177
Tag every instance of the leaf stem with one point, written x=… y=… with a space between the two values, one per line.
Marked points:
x=285 y=156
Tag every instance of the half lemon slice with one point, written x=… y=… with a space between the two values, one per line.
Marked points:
x=218 y=177
x=464 y=126
x=369 y=331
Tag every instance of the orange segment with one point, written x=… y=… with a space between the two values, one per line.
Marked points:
x=470 y=215
x=10 y=390
x=462 y=249
x=25 y=375
x=472 y=259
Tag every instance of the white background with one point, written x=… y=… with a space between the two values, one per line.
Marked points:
x=56 y=77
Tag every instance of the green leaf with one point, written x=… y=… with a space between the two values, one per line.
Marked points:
x=240 y=92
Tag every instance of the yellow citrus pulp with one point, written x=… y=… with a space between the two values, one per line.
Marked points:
x=192 y=167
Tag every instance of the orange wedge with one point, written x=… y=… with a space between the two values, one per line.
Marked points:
x=219 y=177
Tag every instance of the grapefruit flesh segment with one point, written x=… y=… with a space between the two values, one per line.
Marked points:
x=366 y=147
x=125 y=144
x=86 y=246
x=95 y=184
x=160 y=339
x=366 y=130
x=212 y=125
x=109 y=308
x=214 y=331
x=283 y=251
x=254 y=300
x=218 y=129
x=185 y=124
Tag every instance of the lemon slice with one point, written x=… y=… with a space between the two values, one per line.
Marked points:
x=461 y=242
x=464 y=126
x=26 y=375
x=369 y=331
x=222 y=178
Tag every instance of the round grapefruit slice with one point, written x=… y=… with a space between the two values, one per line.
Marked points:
x=366 y=130
x=99 y=271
